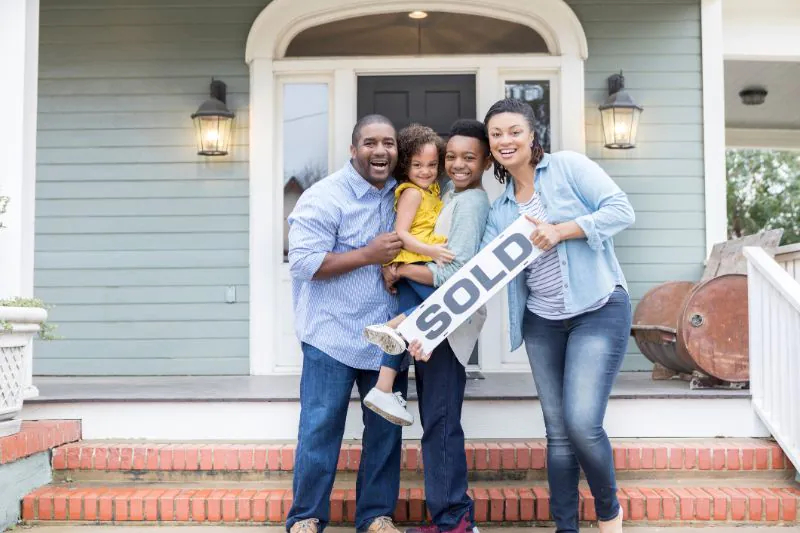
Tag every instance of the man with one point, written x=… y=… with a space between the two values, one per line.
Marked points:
x=340 y=234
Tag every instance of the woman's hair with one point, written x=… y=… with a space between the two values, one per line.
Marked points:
x=467 y=127
x=410 y=142
x=511 y=105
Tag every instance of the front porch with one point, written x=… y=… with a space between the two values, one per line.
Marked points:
x=241 y=408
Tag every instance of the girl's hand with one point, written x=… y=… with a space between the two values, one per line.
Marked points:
x=545 y=236
x=415 y=349
x=441 y=255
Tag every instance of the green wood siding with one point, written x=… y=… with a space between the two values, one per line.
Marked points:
x=138 y=239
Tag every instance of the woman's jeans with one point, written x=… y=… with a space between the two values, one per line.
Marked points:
x=574 y=363
x=410 y=294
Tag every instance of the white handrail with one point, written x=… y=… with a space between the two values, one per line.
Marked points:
x=774 y=328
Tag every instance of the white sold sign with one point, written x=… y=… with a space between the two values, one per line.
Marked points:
x=472 y=286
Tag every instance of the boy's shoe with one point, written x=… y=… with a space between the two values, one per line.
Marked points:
x=386 y=338
x=390 y=406
x=382 y=524
x=463 y=527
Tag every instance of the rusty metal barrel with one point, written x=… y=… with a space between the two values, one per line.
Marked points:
x=713 y=330
x=686 y=327
x=655 y=325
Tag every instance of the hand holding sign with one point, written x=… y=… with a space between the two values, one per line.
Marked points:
x=472 y=286
x=545 y=236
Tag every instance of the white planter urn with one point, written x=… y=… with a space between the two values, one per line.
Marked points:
x=18 y=325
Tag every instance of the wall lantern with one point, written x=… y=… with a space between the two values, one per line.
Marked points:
x=213 y=121
x=620 y=115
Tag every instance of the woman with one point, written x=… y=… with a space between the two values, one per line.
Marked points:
x=570 y=306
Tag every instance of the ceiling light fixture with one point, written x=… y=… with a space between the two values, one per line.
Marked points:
x=418 y=15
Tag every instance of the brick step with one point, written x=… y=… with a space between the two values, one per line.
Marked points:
x=515 y=504
x=711 y=457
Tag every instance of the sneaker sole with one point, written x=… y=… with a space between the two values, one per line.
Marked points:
x=384 y=342
x=387 y=416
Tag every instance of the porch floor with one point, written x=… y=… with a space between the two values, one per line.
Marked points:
x=492 y=386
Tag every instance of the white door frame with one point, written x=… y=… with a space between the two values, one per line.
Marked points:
x=273 y=349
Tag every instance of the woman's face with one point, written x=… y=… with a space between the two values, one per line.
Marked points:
x=424 y=168
x=465 y=161
x=510 y=139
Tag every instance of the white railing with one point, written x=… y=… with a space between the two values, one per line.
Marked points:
x=774 y=309
x=788 y=257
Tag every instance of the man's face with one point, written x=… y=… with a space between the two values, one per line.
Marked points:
x=375 y=156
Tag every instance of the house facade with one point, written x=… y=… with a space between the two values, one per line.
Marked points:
x=159 y=261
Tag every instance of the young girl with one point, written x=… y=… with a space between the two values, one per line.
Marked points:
x=418 y=203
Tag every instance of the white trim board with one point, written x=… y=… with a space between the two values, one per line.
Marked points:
x=714 y=123
x=273 y=349
x=762 y=139
x=521 y=419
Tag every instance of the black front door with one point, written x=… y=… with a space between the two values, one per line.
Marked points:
x=435 y=101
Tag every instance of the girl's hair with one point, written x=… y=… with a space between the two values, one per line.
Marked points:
x=410 y=142
x=511 y=105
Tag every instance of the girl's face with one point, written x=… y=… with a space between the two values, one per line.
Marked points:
x=510 y=139
x=465 y=162
x=424 y=168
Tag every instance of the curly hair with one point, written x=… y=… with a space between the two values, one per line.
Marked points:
x=518 y=107
x=410 y=142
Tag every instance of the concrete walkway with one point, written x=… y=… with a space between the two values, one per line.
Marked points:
x=241 y=529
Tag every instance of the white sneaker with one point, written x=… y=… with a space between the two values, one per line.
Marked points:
x=390 y=406
x=386 y=338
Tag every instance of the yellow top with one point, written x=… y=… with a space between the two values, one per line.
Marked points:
x=423 y=223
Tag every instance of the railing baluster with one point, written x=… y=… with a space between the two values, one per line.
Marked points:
x=774 y=315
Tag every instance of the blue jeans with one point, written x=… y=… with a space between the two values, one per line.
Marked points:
x=325 y=388
x=440 y=389
x=574 y=363
x=410 y=294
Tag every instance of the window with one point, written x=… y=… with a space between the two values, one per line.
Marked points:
x=305 y=143
x=397 y=34
x=537 y=94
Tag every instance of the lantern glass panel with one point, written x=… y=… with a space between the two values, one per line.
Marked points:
x=213 y=135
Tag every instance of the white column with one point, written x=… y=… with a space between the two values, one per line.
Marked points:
x=714 y=123
x=19 y=40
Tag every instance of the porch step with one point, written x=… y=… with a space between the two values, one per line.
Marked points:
x=510 y=504
x=152 y=461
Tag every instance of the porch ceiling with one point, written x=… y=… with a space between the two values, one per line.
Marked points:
x=780 y=111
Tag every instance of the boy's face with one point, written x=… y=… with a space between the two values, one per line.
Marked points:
x=465 y=161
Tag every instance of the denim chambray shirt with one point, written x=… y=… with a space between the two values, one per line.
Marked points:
x=572 y=187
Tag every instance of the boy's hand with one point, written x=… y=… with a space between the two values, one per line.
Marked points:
x=390 y=277
x=415 y=349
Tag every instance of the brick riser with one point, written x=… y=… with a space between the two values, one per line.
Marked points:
x=518 y=506
x=483 y=459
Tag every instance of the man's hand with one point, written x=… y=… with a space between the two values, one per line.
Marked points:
x=545 y=236
x=382 y=249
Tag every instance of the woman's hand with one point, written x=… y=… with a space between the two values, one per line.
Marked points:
x=441 y=255
x=415 y=349
x=545 y=236
x=390 y=277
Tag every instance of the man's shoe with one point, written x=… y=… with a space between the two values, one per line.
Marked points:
x=390 y=406
x=382 y=524
x=309 y=525
x=386 y=338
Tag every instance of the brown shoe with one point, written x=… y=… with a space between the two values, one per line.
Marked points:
x=309 y=525
x=382 y=524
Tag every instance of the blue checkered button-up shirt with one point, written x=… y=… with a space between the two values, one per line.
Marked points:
x=338 y=214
